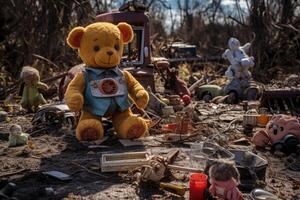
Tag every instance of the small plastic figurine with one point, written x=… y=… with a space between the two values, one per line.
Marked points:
x=239 y=60
x=224 y=179
x=16 y=136
x=282 y=132
x=31 y=97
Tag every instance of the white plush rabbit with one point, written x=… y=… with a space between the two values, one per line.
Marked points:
x=239 y=60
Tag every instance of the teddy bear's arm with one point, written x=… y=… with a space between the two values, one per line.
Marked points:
x=73 y=95
x=136 y=91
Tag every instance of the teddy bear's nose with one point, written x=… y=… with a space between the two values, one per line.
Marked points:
x=109 y=53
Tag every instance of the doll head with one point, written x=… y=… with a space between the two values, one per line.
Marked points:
x=222 y=170
x=30 y=75
x=15 y=130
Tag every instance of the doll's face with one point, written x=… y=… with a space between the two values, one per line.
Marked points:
x=15 y=130
x=222 y=171
x=30 y=79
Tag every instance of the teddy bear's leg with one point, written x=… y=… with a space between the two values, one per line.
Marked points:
x=89 y=127
x=128 y=125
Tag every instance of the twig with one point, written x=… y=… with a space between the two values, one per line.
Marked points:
x=192 y=87
x=228 y=127
x=46 y=59
x=14 y=173
x=47 y=80
x=89 y=171
x=237 y=21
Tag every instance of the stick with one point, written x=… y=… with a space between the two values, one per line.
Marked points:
x=14 y=173
x=192 y=87
x=47 y=80
x=89 y=171
x=46 y=59
x=184 y=169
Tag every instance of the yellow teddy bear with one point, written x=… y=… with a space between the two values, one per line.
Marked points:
x=102 y=89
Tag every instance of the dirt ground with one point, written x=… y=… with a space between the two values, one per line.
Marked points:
x=60 y=151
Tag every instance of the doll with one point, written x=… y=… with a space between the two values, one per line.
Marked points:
x=16 y=136
x=224 y=179
x=31 y=97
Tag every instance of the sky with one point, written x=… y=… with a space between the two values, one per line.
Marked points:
x=228 y=5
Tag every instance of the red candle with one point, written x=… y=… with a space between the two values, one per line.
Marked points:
x=198 y=185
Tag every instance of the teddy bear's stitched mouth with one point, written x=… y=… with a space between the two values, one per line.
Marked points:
x=101 y=62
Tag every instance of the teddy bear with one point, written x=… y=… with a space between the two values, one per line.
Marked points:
x=239 y=60
x=31 y=97
x=102 y=89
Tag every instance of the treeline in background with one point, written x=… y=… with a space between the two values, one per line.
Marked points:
x=35 y=29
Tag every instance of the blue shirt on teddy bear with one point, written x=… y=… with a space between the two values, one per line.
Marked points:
x=105 y=91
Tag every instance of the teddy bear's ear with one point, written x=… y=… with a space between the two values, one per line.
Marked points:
x=75 y=36
x=126 y=31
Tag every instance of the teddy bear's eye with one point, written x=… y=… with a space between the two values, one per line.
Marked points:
x=96 y=48
x=281 y=128
x=117 y=47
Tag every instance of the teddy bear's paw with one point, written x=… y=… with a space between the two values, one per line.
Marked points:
x=133 y=127
x=89 y=130
x=136 y=131
x=142 y=99
x=75 y=102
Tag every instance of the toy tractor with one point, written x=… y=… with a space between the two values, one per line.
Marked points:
x=234 y=92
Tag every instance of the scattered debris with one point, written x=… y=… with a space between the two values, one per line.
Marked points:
x=123 y=161
x=58 y=175
x=51 y=118
x=130 y=143
x=174 y=188
x=7 y=191
x=258 y=194
x=251 y=167
x=157 y=167
x=285 y=101
x=3 y=116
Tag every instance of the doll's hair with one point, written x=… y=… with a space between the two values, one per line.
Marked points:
x=29 y=71
x=223 y=170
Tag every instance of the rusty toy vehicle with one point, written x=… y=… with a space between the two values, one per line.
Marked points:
x=235 y=93
x=282 y=132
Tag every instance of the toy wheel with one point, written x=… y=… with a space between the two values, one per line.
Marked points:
x=251 y=94
x=278 y=147
x=291 y=144
x=232 y=98
x=207 y=97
